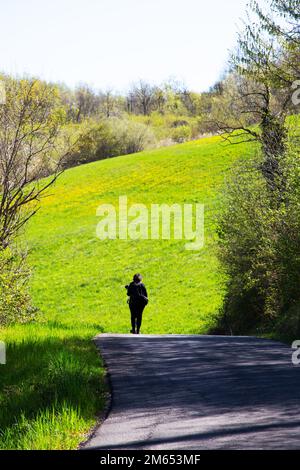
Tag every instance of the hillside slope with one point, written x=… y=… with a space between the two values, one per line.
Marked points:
x=80 y=279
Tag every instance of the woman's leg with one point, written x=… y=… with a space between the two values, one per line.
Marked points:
x=133 y=318
x=139 y=320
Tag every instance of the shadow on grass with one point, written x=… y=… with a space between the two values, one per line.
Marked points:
x=50 y=373
x=58 y=325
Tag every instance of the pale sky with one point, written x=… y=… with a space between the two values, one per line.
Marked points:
x=112 y=43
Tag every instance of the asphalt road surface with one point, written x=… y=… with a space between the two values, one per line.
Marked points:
x=199 y=392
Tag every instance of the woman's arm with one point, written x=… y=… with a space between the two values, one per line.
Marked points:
x=145 y=291
x=129 y=289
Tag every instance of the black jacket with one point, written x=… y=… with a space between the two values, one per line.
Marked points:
x=134 y=291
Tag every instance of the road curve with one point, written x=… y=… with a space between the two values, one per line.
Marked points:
x=199 y=392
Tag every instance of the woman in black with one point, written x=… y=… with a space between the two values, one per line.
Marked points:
x=138 y=299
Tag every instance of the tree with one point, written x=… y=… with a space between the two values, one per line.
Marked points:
x=107 y=103
x=111 y=104
x=87 y=102
x=30 y=125
x=265 y=65
x=31 y=119
x=141 y=98
x=159 y=99
x=260 y=250
x=259 y=226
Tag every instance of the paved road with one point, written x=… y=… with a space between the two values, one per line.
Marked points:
x=199 y=392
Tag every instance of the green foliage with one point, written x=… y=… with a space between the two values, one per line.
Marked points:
x=94 y=142
x=259 y=228
x=97 y=140
x=260 y=249
x=130 y=136
x=181 y=133
x=167 y=127
x=245 y=250
x=15 y=301
x=287 y=326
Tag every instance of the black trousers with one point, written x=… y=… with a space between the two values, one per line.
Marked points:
x=136 y=317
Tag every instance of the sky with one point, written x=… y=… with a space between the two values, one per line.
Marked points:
x=109 y=44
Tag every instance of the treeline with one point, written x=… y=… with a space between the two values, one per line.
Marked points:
x=100 y=124
x=109 y=124
x=141 y=99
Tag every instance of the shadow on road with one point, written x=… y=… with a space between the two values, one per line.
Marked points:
x=200 y=392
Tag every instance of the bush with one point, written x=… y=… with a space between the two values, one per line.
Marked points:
x=181 y=133
x=244 y=251
x=288 y=325
x=108 y=138
x=164 y=127
x=260 y=249
x=179 y=123
x=93 y=142
x=15 y=301
x=130 y=136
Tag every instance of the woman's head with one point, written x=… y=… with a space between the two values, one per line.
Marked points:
x=137 y=278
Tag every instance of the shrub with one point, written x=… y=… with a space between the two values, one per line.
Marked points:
x=181 y=133
x=108 y=138
x=93 y=142
x=130 y=136
x=288 y=325
x=15 y=301
x=179 y=123
x=260 y=250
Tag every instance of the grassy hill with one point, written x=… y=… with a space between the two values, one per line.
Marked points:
x=52 y=386
x=80 y=279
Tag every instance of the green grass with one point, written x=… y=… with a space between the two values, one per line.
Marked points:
x=52 y=385
x=80 y=279
x=50 y=388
